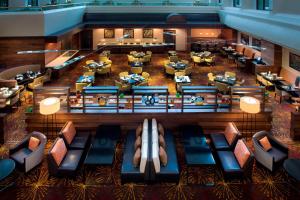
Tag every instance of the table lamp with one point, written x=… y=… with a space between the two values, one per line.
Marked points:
x=50 y=106
x=250 y=106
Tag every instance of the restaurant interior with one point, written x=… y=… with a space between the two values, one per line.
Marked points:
x=122 y=99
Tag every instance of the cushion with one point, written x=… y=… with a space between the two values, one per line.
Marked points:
x=33 y=143
x=162 y=142
x=138 y=142
x=163 y=156
x=161 y=129
x=265 y=143
x=230 y=133
x=59 y=151
x=72 y=160
x=138 y=131
x=228 y=161
x=137 y=157
x=241 y=153
x=69 y=132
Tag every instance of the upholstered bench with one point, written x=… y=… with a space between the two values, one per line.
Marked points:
x=63 y=161
x=226 y=140
x=136 y=172
x=73 y=139
x=237 y=163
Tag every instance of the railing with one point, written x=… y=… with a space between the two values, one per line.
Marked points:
x=148 y=99
x=143 y=3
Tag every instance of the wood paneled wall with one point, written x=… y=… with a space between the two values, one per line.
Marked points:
x=295 y=125
x=272 y=54
x=209 y=121
x=10 y=46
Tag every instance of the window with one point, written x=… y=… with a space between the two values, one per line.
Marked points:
x=263 y=4
x=33 y=2
x=236 y=3
x=244 y=39
x=3 y=3
x=256 y=43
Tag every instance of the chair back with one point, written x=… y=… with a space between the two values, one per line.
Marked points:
x=188 y=71
x=89 y=62
x=80 y=86
x=211 y=77
x=149 y=52
x=147 y=58
x=170 y=70
x=197 y=59
x=181 y=73
x=89 y=73
x=173 y=59
x=122 y=74
x=145 y=75
x=222 y=87
x=230 y=74
x=136 y=70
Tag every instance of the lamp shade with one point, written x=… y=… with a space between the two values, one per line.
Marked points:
x=250 y=105
x=49 y=106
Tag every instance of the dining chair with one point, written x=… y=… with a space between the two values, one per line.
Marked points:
x=146 y=75
x=89 y=62
x=90 y=73
x=180 y=73
x=79 y=86
x=173 y=58
x=197 y=60
x=37 y=82
x=146 y=59
x=239 y=82
x=122 y=86
x=122 y=74
x=47 y=76
x=104 y=59
x=188 y=71
x=211 y=79
x=230 y=74
x=169 y=70
x=136 y=70
x=222 y=87
x=132 y=59
x=149 y=52
x=104 y=70
x=210 y=60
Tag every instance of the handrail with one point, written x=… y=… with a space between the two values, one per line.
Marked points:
x=116 y=3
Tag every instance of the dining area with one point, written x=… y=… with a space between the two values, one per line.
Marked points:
x=126 y=81
x=203 y=57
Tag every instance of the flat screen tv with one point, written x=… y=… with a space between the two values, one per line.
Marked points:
x=295 y=61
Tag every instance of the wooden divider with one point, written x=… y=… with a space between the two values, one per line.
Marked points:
x=295 y=125
x=209 y=121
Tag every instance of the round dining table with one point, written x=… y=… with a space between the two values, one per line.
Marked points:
x=178 y=65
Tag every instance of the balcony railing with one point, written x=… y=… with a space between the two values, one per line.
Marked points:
x=142 y=3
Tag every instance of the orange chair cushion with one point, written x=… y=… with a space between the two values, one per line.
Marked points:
x=163 y=156
x=161 y=129
x=69 y=132
x=59 y=151
x=162 y=142
x=138 y=131
x=137 y=157
x=241 y=153
x=230 y=133
x=138 y=142
x=265 y=143
x=33 y=143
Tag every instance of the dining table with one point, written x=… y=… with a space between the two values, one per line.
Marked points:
x=132 y=79
x=178 y=65
x=172 y=53
x=202 y=54
x=85 y=79
x=225 y=79
x=136 y=64
x=96 y=65
x=27 y=77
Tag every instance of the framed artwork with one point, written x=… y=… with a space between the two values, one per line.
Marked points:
x=295 y=61
x=109 y=33
x=147 y=33
x=129 y=32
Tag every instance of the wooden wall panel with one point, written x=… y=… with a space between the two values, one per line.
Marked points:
x=52 y=46
x=209 y=121
x=272 y=54
x=10 y=46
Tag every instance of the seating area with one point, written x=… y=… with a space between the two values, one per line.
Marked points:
x=130 y=99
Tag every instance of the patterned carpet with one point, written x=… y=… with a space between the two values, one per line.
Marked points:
x=104 y=182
